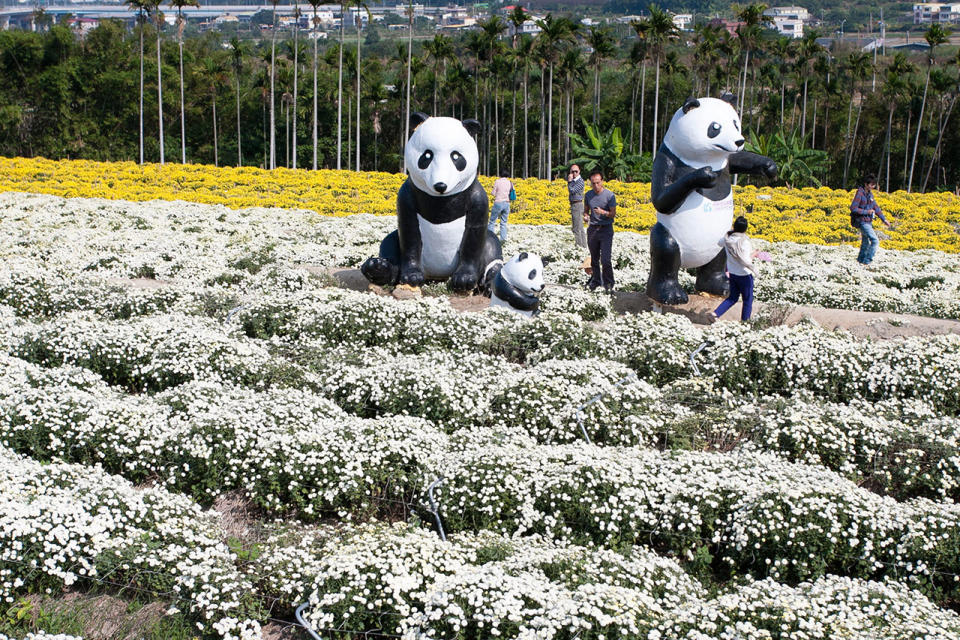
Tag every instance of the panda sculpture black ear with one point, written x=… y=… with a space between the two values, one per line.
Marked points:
x=416 y=119
x=472 y=126
x=729 y=98
x=522 y=257
x=691 y=103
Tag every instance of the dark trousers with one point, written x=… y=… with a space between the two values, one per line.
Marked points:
x=600 y=242
x=739 y=286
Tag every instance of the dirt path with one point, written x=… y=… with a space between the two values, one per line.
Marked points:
x=862 y=324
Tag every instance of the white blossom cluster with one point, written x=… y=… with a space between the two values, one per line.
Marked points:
x=286 y=449
x=404 y=580
x=185 y=347
x=759 y=513
x=228 y=249
x=63 y=524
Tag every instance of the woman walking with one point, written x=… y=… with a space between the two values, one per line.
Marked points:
x=740 y=269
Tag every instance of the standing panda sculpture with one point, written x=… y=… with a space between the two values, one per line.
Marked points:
x=518 y=284
x=441 y=212
x=692 y=195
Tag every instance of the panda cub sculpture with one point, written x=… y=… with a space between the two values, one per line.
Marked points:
x=441 y=212
x=692 y=195
x=518 y=285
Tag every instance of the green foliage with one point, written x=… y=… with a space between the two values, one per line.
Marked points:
x=606 y=152
x=797 y=164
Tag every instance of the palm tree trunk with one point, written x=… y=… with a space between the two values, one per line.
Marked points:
x=888 y=144
x=906 y=148
x=856 y=125
x=813 y=128
x=183 y=117
x=496 y=124
x=315 y=115
x=541 y=162
x=743 y=90
x=783 y=89
x=141 y=86
x=359 y=24
x=406 y=125
x=643 y=96
x=916 y=142
x=239 y=150
x=340 y=94
x=936 y=149
x=803 y=115
x=526 y=123
x=160 y=94
x=273 y=105
x=216 y=154
x=849 y=139
x=349 y=130
x=656 y=104
x=633 y=113
x=513 y=119
x=550 y=126
x=296 y=76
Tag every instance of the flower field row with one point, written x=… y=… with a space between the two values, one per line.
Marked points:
x=216 y=254
x=818 y=216
x=804 y=482
x=291 y=451
x=64 y=524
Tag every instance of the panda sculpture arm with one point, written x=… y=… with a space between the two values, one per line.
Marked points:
x=670 y=186
x=408 y=234
x=747 y=162
x=469 y=267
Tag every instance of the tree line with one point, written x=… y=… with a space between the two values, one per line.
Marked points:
x=161 y=93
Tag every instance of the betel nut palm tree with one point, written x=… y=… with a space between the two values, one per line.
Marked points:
x=181 y=24
x=143 y=9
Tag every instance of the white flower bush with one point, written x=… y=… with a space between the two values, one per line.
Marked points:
x=61 y=525
x=804 y=485
x=749 y=511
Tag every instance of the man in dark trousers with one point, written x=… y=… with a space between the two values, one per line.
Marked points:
x=599 y=209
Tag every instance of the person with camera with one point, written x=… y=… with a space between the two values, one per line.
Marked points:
x=575 y=191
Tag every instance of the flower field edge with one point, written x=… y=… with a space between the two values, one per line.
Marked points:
x=807 y=216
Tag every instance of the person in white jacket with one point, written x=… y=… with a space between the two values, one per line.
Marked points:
x=740 y=268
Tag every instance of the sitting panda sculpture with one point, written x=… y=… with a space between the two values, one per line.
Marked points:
x=692 y=195
x=518 y=283
x=441 y=212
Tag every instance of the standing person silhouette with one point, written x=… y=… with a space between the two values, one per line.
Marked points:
x=599 y=209
x=575 y=187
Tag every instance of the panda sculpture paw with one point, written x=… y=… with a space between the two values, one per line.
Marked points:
x=463 y=280
x=714 y=283
x=667 y=291
x=379 y=271
x=411 y=275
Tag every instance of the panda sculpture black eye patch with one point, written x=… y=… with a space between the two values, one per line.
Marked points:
x=713 y=130
x=532 y=275
x=425 y=159
x=458 y=160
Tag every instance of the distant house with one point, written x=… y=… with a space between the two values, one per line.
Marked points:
x=788 y=21
x=529 y=27
x=928 y=12
x=683 y=21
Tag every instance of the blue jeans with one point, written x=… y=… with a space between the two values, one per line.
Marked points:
x=868 y=242
x=500 y=212
x=739 y=286
x=600 y=243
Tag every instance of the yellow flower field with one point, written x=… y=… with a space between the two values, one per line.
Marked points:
x=819 y=216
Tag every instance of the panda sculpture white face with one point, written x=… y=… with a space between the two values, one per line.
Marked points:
x=525 y=272
x=705 y=135
x=441 y=157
